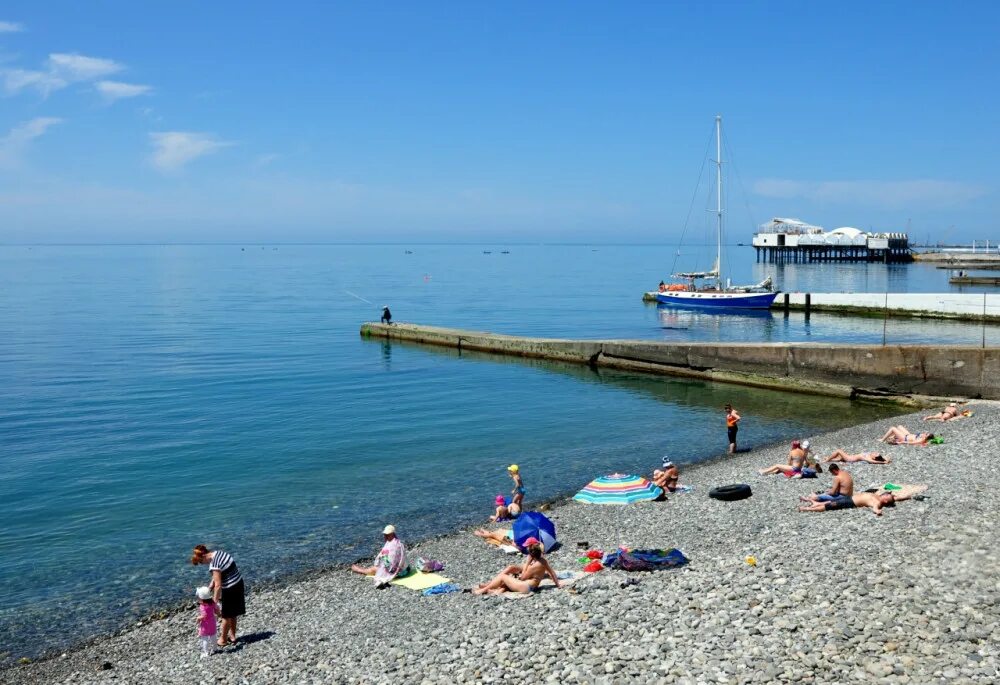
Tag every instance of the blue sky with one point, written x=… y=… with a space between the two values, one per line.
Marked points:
x=184 y=121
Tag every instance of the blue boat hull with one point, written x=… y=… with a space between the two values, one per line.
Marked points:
x=710 y=300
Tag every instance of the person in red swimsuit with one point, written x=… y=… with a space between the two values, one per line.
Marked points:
x=732 y=426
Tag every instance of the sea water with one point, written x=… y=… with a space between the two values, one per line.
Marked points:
x=155 y=397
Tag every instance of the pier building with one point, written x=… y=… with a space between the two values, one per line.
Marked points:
x=791 y=240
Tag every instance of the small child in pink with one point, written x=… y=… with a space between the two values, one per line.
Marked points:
x=207 y=611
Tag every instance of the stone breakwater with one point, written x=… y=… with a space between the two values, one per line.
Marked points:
x=907 y=374
x=908 y=597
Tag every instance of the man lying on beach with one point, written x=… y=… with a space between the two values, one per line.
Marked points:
x=870 y=457
x=841 y=488
x=858 y=501
x=901 y=435
x=949 y=413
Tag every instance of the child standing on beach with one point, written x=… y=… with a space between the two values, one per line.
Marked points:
x=732 y=426
x=518 y=491
x=207 y=611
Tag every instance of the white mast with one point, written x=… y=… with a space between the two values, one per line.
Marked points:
x=718 y=210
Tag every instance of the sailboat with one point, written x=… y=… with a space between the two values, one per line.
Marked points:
x=715 y=297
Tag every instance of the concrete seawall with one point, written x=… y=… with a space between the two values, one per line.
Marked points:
x=957 y=306
x=903 y=373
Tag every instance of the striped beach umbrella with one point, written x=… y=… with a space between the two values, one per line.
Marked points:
x=618 y=489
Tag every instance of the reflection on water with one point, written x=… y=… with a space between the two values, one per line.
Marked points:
x=862 y=277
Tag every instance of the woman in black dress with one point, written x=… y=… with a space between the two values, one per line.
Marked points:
x=227 y=588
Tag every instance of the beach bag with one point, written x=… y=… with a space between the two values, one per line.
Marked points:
x=645 y=559
x=429 y=565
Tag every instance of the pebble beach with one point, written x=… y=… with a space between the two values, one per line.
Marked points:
x=911 y=596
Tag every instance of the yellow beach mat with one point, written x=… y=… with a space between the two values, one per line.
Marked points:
x=421 y=580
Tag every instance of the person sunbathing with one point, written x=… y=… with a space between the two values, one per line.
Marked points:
x=841 y=488
x=525 y=578
x=666 y=478
x=793 y=469
x=858 y=501
x=870 y=457
x=901 y=435
x=949 y=413
x=501 y=512
x=495 y=537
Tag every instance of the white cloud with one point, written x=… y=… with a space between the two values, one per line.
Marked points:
x=922 y=193
x=265 y=160
x=19 y=137
x=61 y=69
x=75 y=67
x=116 y=90
x=11 y=27
x=174 y=149
x=15 y=80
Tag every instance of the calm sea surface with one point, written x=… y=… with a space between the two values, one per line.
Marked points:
x=155 y=397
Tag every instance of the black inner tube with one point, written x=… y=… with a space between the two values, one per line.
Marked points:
x=731 y=492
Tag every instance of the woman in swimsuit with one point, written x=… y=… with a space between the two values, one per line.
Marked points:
x=732 y=426
x=901 y=435
x=947 y=414
x=523 y=579
x=870 y=457
x=495 y=537
x=793 y=469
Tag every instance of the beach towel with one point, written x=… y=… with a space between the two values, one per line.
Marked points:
x=421 y=581
x=510 y=549
x=645 y=559
x=507 y=533
x=441 y=589
x=903 y=491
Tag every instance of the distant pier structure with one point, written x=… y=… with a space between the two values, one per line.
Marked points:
x=791 y=240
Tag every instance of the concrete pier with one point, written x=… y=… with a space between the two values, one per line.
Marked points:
x=956 y=306
x=902 y=373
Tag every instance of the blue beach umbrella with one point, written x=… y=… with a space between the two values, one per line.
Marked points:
x=531 y=524
x=618 y=489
